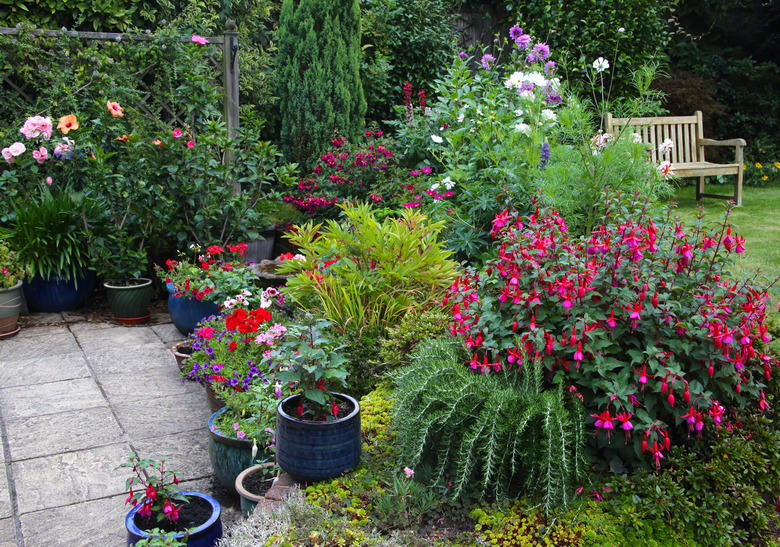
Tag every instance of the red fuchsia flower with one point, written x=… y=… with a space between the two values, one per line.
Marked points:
x=604 y=421
x=657 y=456
x=625 y=424
x=716 y=413
x=170 y=511
x=299 y=410
x=762 y=404
x=146 y=509
x=335 y=410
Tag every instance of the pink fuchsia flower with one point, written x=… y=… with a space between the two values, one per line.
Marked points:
x=40 y=155
x=115 y=109
x=199 y=39
x=176 y=133
x=409 y=473
x=146 y=509
x=36 y=126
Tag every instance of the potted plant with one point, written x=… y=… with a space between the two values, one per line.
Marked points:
x=253 y=483
x=48 y=235
x=158 y=506
x=11 y=276
x=215 y=278
x=317 y=429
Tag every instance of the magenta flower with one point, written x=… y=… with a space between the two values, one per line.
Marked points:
x=199 y=39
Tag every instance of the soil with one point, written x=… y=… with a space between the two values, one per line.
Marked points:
x=345 y=408
x=193 y=513
x=257 y=484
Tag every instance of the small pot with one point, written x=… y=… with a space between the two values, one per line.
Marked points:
x=10 y=305
x=249 y=500
x=314 y=451
x=181 y=351
x=205 y=535
x=130 y=303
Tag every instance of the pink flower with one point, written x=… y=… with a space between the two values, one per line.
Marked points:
x=7 y=156
x=48 y=181
x=40 y=155
x=190 y=144
x=199 y=39
x=17 y=149
x=176 y=133
x=36 y=126
x=408 y=472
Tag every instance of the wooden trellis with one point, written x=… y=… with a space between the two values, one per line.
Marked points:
x=223 y=56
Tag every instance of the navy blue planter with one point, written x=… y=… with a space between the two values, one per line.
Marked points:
x=186 y=313
x=314 y=451
x=205 y=535
x=229 y=455
x=57 y=294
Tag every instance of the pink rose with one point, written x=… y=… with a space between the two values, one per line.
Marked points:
x=176 y=133
x=17 y=149
x=7 y=156
x=35 y=126
x=40 y=155
x=190 y=144
x=48 y=181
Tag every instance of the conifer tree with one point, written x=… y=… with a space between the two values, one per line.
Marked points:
x=318 y=74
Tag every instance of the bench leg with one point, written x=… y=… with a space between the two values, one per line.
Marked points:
x=699 y=188
x=738 y=188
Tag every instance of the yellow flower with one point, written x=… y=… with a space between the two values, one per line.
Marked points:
x=759 y=165
x=764 y=177
x=67 y=123
x=777 y=164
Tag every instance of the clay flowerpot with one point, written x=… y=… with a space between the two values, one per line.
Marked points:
x=181 y=351
x=10 y=304
x=186 y=313
x=252 y=476
x=228 y=455
x=57 y=293
x=313 y=451
x=204 y=535
x=130 y=302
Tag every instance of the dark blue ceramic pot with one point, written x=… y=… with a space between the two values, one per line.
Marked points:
x=57 y=294
x=205 y=535
x=314 y=451
x=186 y=313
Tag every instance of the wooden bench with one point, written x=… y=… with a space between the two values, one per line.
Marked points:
x=687 y=154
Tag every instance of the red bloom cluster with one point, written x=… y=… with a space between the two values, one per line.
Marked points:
x=247 y=321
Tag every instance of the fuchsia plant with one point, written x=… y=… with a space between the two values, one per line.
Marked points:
x=639 y=320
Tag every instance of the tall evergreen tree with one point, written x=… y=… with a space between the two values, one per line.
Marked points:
x=318 y=74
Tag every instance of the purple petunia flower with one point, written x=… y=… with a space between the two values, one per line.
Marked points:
x=462 y=55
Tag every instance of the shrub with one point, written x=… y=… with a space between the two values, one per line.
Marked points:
x=445 y=409
x=640 y=320
x=318 y=74
x=416 y=326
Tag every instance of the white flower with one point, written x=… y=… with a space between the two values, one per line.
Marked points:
x=621 y=30
x=548 y=115
x=515 y=80
x=537 y=78
x=601 y=64
x=461 y=117
x=298 y=257
x=246 y=292
x=437 y=139
x=228 y=304
x=666 y=169
x=518 y=112
x=523 y=128
x=434 y=186
x=449 y=184
x=636 y=137
x=666 y=146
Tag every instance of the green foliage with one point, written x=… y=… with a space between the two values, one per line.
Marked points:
x=11 y=272
x=443 y=408
x=48 y=234
x=406 y=41
x=584 y=30
x=318 y=74
x=364 y=275
x=161 y=538
x=104 y=15
x=417 y=325
x=721 y=492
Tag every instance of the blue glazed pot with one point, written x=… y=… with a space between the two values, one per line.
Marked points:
x=229 y=455
x=57 y=294
x=205 y=535
x=186 y=313
x=314 y=451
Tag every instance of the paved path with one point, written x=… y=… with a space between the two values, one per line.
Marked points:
x=76 y=398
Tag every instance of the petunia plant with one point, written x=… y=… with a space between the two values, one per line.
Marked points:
x=640 y=320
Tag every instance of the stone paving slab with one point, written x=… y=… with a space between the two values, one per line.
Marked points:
x=141 y=385
x=38 y=436
x=64 y=479
x=41 y=370
x=7 y=533
x=34 y=343
x=129 y=360
x=91 y=339
x=6 y=509
x=186 y=453
x=94 y=523
x=168 y=333
x=50 y=398
x=162 y=416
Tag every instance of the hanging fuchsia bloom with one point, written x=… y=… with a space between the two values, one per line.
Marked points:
x=625 y=423
x=728 y=240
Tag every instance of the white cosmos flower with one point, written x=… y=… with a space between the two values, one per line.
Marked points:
x=437 y=139
x=637 y=138
x=448 y=183
x=666 y=146
x=601 y=64
x=461 y=117
x=434 y=186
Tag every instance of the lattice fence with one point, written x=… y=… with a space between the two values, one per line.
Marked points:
x=20 y=95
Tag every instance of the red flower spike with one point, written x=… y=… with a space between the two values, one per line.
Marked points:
x=667 y=442
x=687 y=394
x=670 y=398
x=644 y=443
x=335 y=410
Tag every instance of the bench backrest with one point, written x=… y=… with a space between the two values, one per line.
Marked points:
x=685 y=132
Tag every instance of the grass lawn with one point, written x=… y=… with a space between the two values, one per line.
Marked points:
x=758 y=220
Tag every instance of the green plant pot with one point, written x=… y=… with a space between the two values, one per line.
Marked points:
x=228 y=455
x=10 y=304
x=130 y=304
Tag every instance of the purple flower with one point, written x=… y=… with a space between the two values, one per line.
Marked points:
x=462 y=55
x=241 y=435
x=488 y=61
x=523 y=41
x=541 y=51
x=515 y=33
x=551 y=97
x=549 y=67
x=544 y=157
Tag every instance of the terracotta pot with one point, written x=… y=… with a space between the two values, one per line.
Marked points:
x=249 y=500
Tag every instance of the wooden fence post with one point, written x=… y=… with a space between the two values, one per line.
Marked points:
x=230 y=76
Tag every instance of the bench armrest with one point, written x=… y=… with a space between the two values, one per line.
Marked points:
x=730 y=142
